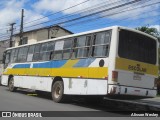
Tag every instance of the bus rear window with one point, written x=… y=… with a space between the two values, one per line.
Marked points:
x=137 y=47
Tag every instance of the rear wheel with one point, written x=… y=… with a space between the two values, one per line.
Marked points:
x=58 y=92
x=11 y=86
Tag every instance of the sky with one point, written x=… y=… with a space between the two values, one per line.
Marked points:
x=41 y=13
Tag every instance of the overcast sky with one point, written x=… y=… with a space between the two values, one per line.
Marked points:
x=130 y=16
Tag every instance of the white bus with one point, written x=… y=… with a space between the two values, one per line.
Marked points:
x=114 y=61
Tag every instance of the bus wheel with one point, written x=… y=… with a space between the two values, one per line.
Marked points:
x=57 y=92
x=11 y=85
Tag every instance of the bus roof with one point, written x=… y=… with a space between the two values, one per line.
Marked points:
x=83 y=33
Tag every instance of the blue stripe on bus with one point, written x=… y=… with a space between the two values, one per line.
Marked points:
x=22 y=66
x=84 y=62
x=50 y=64
x=56 y=64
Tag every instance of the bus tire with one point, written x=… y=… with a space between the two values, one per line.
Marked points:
x=11 y=86
x=58 y=92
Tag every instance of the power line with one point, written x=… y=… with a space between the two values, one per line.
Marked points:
x=111 y=14
x=134 y=8
x=90 y=21
x=108 y=23
x=101 y=11
x=67 y=16
x=58 y=12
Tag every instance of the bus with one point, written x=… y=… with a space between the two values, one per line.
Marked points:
x=113 y=61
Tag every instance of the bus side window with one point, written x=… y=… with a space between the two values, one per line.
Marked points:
x=7 y=58
x=100 y=44
x=50 y=50
x=73 y=52
x=67 y=49
x=30 y=53
x=36 y=54
x=12 y=55
x=22 y=55
x=43 y=52
x=15 y=55
x=82 y=47
x=58 y=50
x=57 y=55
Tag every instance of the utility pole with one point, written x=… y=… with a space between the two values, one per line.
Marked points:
x=10 y=43
x=21 y=28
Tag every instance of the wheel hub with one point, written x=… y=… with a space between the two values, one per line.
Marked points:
x=57 y=92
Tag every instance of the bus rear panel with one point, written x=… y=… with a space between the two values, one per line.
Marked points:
x=136 y=66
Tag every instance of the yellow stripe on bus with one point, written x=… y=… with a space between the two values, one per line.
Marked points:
x=90 y=72
x=70 y=63
x=135 y=66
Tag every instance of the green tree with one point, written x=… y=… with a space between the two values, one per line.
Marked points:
x=151 y=31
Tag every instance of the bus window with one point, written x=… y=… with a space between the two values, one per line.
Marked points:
x=50 y=46
x=50 y=49
x=22 y=55
x=137 y=47
x=100 y=47
x=7 y=58
x=30 y=53
x=82 y=45
x=102 y=38
x=37 y=48
x=44 y=47
x=100 y=51
x=36 y=56
x=58 y=50
x=43 y=52
x=67 y=48
x=14 y=54
x=57 y=55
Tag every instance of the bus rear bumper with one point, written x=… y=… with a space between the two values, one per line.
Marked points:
x=131 y=91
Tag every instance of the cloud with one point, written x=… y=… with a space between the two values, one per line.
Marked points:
x=10 y=11
x=59 y=5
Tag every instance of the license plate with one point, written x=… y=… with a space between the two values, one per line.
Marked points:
x=137 y=77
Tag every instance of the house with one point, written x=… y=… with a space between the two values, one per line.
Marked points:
x=3 y=45
x=40 y=34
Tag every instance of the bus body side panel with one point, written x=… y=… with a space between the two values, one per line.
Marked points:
x=4 y=80
x=78 y=86
x=34 y=82
x=95 y=84
x=83 y=78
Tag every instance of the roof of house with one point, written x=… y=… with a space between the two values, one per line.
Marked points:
x=46 y=28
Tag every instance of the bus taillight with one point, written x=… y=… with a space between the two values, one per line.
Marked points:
x=114 y=76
